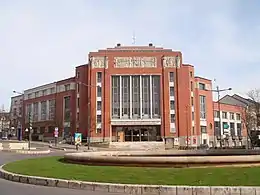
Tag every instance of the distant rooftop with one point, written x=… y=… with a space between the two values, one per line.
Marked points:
x=150 y=47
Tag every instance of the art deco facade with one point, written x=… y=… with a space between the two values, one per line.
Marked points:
x=125 y=95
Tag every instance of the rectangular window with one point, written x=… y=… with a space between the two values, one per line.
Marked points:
x=43 y=110
x=29 y=96
x=224 y=115
x=67 y=109
x=78 y=74
x=172 y=103
x=171 y=76
x=35 y=111
x=172 y=118
x=203 y=129
x=99 y=77
x=238 y=117
x=156 y=96
x=191 y=74
x=146 y=96
x=239 y=129
x=191 y=86
x=216 y=114
x=99 y=105
x=202 y=86
x=202 y=107
x=52 y=109
x=192 y=101
x=232 y=116
x=232 y=129
x=116 y=96
x=99 y=119
x=67 y=87
x=172 y=91
x=37 y=94
x=44 y=92
x=52 y=90
x=78 y=116
x=217 y=128
x=99 y=91
x=136 y=96
x=192 y=116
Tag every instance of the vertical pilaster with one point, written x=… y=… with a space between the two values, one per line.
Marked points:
x=130 y=98
x=120 y=96
x=141 y=98
x=151 y=97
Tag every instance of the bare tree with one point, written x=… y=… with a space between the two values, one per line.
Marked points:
x=251 y=115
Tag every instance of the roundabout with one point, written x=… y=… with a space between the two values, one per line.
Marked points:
x=87 y=174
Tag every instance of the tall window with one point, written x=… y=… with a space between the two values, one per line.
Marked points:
x=146 y=96
x=173 y=118
x=28 y=110
x=171 y=76
x=51 y=109
x=203 y=129
x=99 y=91
x=171 y=91
x=115 y=96
x=239 y=129
x=99 y=105
x=217 y=128
x=202 y=86
x=126 y=96
x=156 y=96
x=43 y=110
x=232 y=129
x=67 y=108
x=202 y=107
x=35 y=111
x=136 y=96
x=99 y=77
x=172 y=104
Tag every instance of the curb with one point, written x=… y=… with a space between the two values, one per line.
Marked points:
x=28 y=151
x=129 y=188
x=57 y=148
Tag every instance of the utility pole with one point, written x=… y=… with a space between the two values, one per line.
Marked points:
x=30 y=130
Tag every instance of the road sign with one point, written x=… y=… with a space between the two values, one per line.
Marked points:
x=226 y=126
x=78 y=138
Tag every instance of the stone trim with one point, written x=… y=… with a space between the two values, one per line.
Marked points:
x=129 y=188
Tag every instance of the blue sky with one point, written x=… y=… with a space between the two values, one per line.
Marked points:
x=42 y=41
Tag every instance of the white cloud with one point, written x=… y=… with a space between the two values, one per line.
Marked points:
x=42 y=41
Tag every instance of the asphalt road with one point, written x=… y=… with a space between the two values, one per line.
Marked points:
x=11 y=188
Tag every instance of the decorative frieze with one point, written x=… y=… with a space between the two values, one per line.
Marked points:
x=171 y=62
x=99 y=62
x=135 y=62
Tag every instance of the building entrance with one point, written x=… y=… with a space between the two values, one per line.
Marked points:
x=137 y=133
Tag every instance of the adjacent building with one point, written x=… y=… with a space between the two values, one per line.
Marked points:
x=50 y=106
x=128 y=96
x=5 y=129
x=16 y=114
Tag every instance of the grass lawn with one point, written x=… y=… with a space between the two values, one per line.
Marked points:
x=52 y=167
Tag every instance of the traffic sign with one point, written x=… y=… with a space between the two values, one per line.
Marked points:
x=226 y=126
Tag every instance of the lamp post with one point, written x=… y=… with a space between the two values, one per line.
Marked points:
x=217 y=90
x=88 y=111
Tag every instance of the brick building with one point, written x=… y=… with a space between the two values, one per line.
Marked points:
x=16 y=113
x=51 y=105
x=144 y=95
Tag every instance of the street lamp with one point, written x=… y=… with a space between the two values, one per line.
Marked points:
x=217 y=90
x=88 y=111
